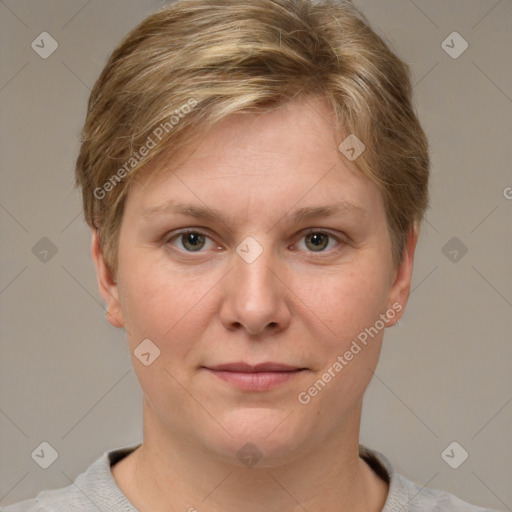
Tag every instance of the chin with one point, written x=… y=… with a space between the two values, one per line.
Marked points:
x=261 y=437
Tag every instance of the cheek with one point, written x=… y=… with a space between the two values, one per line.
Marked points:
x=348 y=355
x=163 y=306
x=347 y=302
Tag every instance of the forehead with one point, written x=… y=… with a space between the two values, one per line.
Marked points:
x=286 y=158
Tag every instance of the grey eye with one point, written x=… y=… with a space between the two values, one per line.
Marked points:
x=317 y=241
x=193 y=241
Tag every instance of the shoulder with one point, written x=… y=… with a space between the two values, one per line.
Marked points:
x=66 y=499
x=407 y=496
x=57 y=500
x=24 y=506
x=423 y=499
x=93 y=490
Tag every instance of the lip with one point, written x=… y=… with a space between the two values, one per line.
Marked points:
x=259 y=377
x=249 y=368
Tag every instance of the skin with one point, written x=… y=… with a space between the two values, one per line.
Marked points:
x=293 y=305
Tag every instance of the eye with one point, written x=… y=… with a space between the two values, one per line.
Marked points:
x=318 y=241
x=191 y=241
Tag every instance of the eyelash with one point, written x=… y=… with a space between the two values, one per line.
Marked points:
x=337 y=239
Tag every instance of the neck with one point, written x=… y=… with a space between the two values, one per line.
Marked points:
x=169 y=473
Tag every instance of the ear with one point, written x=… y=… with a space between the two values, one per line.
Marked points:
x=107 y=284
x=401 y=286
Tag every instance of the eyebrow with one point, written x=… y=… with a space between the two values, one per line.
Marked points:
x=311 y=212
x=303 y=214
x=188 y=210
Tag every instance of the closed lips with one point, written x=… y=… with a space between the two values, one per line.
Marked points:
x=247 y=368
x=255 y=378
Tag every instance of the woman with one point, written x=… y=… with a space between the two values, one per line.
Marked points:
x=254 y=176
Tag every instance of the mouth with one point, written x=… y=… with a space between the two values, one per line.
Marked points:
x=260 y=377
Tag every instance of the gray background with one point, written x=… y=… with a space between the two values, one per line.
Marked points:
x=444 y=375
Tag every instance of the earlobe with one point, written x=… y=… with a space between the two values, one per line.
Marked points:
x=400 y=290
x=107 y=284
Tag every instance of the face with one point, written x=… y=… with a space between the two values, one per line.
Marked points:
x=261 y=270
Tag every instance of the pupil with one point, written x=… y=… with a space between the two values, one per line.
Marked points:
x=318 y=240
x=193 y=241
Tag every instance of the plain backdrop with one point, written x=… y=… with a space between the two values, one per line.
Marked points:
x=444 y=374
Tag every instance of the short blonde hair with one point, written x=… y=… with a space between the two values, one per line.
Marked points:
x=195 y=62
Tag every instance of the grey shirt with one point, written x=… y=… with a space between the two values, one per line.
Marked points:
x=96 y=490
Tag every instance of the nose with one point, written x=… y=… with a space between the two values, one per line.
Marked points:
x=255 y=296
